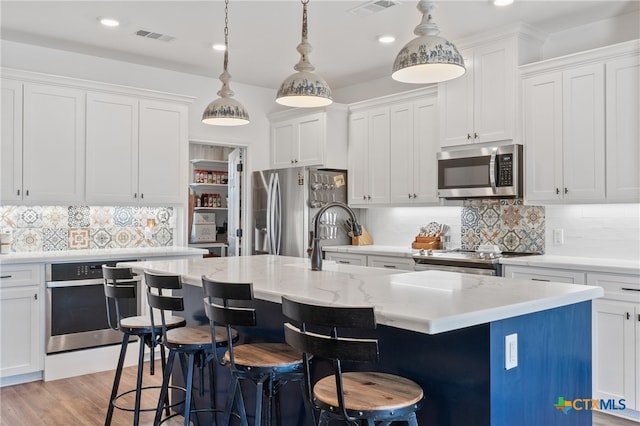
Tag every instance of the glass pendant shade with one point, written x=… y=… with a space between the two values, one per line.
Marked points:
x=427 y=58
x=304 y=89
x=225 y=111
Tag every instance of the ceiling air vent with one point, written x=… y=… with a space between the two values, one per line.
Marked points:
x=371 y=7
x=154 y=35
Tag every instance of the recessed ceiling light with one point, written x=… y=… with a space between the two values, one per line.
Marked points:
x=502 y=2
x=109 y=22
x=219 y=47
x=386 y=39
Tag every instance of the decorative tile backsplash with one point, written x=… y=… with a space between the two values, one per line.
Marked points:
x=58 y=228
x=508 y=224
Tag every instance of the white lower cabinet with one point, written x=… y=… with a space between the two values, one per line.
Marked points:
x=544 y=274
x=616 y=338
x=390 y=262
x=347 y=258
x=21 y=307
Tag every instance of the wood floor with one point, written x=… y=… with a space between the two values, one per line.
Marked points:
x=75 y=401
x=82 y=401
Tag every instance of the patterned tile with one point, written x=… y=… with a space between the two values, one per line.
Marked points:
x=79 y=238
x=511 y=240
x=27 y=239
x=125 y=216
x=8 y=217
x=29 y=217
x=55 y=217
x=470 y=217
x=122 y=237
x=78 y=217
x=101 y=238
x=101 y=217
x=164 y=215
x=54 y=239
x=470 y=238
x=162 y=236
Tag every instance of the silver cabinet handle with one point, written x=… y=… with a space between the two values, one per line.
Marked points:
x=364 y=197
x=141 y=195
x=18 y=192
x=409 y=196
x=415 y=196
x=27 y=192
x=628 y=315
x=475 y=135
x=344 y=262
x=492 y=170
x=630 y=289
x=540 y=279
x=566 y=191
x=468 y=136
x=557 y=191
x=5 y=276
x=368 y=197
x=389 y=266
x=135 y=195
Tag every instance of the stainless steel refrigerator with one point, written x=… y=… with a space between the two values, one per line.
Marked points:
x=285 y=202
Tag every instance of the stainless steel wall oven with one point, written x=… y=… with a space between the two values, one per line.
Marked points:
x=76 y=312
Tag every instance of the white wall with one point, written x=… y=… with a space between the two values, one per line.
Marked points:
x=595 y=230
x=258 y=101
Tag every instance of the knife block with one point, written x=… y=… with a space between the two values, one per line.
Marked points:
x=363 y=240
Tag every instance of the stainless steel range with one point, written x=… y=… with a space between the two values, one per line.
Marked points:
x=466 y=262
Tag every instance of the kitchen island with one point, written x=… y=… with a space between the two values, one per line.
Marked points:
x=444 y=330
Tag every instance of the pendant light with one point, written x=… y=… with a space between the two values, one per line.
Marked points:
x=225 y=111
x=427 y=58
x=304 y=89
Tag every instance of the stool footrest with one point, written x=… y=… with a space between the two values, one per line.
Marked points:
x=132 y=409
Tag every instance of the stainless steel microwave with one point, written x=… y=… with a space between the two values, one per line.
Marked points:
x=481 y=172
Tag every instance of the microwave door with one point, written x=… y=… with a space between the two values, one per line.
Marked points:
x=465 y=177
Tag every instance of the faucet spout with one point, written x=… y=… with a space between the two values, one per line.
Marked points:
x=316 y=254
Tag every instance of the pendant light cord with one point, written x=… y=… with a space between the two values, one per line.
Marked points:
x=226 y=34
x=304 y=19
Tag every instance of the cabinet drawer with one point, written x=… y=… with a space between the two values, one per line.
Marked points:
x=347 y=259
x=388 y=262
x=20 y=275
x=616 y=286
x=544 y=274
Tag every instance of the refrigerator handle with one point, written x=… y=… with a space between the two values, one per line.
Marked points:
x=277 y=214
x=270 y=214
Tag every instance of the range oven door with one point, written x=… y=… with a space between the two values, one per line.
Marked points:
x=483 y=172
x=459 y=269
x=77 y=315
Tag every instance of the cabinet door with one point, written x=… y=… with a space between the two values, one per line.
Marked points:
x=425 y=147
x=54 y=142
x=283 y=139
x=11 y=142
x=358 y=158
x=401 y=164
x=378 y=156
x=112 y=148
x=544 y=274
x=543 y=136
x=455 y=99
x=614 y=346
x=623 y=129
x=389 y=262
x=583 y=133
x=20 y=343
x=162 y=148
x=309 y=147
x=494 y=91
x=347 y=258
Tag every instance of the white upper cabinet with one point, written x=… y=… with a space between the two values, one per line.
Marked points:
x=580 y=127
x=11 y=142
x=162 y=150
x=623 y=129
x=112 y=150
x=68 y=141
x=412 y=155
x=369 y=157
x=53 y=144
x=303 y=138
x=480 y=105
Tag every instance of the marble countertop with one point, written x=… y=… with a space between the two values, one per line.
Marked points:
x=598 y=264
x=98 y=254
x=428 y=302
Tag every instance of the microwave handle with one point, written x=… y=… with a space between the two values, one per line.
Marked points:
x=492 y=170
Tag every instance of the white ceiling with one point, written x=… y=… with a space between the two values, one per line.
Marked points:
x=263 y=34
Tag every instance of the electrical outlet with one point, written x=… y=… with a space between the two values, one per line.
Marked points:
x=558 y=236
x=510 y=351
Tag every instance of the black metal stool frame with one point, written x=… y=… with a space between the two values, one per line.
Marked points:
x=118 y=285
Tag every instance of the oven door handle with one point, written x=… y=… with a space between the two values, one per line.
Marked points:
x=492 y=170
x=92 y=281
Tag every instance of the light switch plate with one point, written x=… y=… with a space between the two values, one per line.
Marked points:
x=510 y=351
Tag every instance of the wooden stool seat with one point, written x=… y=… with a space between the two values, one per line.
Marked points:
x=199 y=335
x=369 y=391
x=265 y=355
x=143 y=323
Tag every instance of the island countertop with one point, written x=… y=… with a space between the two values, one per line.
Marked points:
x=428 y=302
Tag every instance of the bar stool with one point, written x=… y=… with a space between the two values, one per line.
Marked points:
x=119 y=288
x=194 y=342
x=268 y=365
x=349 y=396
